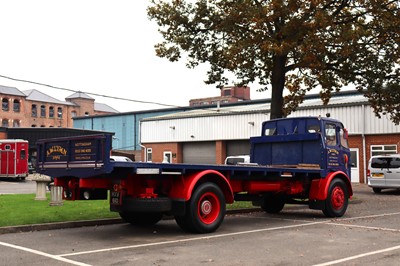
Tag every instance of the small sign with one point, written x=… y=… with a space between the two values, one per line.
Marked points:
x=148 y=171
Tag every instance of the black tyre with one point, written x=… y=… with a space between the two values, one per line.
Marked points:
x=337 y=200
x=183 y=223
x=141 y=218
x=205 y=210
x=273 y=204
x=377 y=190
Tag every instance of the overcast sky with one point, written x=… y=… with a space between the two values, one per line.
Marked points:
x=95 y=46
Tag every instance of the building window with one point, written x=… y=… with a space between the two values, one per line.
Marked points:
x=383 y=149
x=17 y=106
x=16 y=123
x=4 y=123
x=86 y=113
x=33 y=125
x=73 y=114
x=34 y=110
x=227 y=92
x=59 y=112
x=5 y=106
x=149 y=155
x=42 y=111
x=51 y=112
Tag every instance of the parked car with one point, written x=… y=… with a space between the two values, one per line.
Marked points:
x=384 y=172
x=120 y=159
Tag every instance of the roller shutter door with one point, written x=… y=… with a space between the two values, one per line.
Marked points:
x=199 y=153
x=237 y=147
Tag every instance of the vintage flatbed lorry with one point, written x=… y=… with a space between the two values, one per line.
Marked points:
x=303 y=160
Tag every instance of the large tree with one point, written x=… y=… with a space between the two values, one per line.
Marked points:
x=296 y=45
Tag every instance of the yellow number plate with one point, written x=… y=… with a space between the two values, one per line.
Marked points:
x=377 y=175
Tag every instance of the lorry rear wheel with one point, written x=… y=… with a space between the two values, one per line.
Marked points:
x=337 y=200
x=205 y=210
x=272 y=204
x=141 y=218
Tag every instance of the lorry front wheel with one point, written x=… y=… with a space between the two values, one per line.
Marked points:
x=141 y=218
x=337 y=200
x=205 y=210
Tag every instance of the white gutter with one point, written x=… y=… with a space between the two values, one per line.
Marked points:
x=364 y=145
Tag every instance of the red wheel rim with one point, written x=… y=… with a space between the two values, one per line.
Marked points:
x=337 y=198
x=208 y=208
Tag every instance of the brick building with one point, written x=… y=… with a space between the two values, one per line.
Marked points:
x=33 y=108
x=229 y=94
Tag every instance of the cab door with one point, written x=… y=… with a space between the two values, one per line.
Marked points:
x=337 y=148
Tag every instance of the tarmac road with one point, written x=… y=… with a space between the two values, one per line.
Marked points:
x=368 y=234
x=13 y=186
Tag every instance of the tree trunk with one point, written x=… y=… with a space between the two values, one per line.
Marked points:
x=278 y=84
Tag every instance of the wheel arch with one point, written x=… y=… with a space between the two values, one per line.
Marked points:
x=213 y=176
x=320 y=187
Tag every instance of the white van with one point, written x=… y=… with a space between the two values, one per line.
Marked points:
x=238 y=159
x=384 y=172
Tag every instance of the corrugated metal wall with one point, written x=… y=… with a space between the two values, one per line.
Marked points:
x=202 y=128
x=357 y=119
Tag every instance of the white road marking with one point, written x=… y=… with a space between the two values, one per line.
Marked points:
x=55 y=257
x=306 y=223
x=370 y=216
x=189 y=239
x=366 y=227
x=358 y=256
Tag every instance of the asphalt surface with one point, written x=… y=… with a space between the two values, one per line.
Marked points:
x=13 y=186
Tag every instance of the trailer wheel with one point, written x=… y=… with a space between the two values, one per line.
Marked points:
x=337 y=200
x=141 y=218
x=272 y=204
x=205 y=210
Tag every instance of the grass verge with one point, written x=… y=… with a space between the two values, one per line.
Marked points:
x=23 y=209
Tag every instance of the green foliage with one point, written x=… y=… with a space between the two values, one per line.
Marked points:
x=294 y=44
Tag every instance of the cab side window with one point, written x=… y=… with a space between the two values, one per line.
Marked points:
x=343 y=138
x=330 y=134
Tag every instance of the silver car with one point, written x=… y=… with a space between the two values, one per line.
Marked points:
x=384 y=172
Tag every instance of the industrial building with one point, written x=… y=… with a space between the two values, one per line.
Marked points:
x=210 y=135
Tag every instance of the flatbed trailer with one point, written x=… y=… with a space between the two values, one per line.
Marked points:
x=302 y=160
